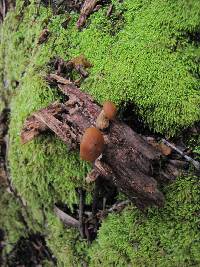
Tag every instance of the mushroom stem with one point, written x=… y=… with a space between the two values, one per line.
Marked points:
x=92 y=176
x=102 y=121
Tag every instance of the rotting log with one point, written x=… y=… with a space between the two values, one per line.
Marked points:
x=128 y=160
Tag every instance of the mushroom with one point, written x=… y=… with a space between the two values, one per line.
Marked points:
x=92 y=144
x=108 y=112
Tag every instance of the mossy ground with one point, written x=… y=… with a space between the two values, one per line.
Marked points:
x=166 y=237
x=10 y=219
x=146 y=53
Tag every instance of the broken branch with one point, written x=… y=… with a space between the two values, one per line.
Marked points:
x=195 y=163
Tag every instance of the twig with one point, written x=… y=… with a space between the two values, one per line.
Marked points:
x=3 y=8
x=195 y=163
x=110 y=9
x=81 y=210
x=66 y=219
x=95 y=196
x=119 y=206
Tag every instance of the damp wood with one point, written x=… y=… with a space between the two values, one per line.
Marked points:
x=133 y=165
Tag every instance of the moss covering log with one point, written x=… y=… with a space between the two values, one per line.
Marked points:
x=128 y=160
x=146 y=53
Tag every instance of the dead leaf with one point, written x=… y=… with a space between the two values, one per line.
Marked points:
x=43 y=36
x=81 y=61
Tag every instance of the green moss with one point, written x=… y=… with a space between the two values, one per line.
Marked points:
x=66 y=244
x=151 y=61
x=164 y=237
x=10 y=220
x=48 y=173
x=150 y=58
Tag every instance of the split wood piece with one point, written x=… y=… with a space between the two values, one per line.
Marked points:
x=2 y=10
x=31 y=129
x=63 y=69
x=65 y=23
x=46 y=119
x=80 y=64
x=56 y=78
x=140 y=188
x=63 y=131
x=61 y=66
x=128 y=160
x=87 y=8
x=119 y=206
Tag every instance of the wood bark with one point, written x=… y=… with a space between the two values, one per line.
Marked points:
x=128 y=160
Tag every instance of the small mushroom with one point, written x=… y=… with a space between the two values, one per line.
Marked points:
x=92 y=144
x=108 y=112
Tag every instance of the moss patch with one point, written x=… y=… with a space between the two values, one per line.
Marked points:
x=164 y=237
x=10 y=220
x=151 y=61
x=69 y=249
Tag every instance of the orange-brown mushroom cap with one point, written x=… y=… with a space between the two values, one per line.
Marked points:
x=110 y=110
x=92 y=144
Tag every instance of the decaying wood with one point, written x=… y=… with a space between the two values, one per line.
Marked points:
x=86 y=10
x=128 y=160
x=43 y=36
x=164 y=149
x=63 y=70
x=28 y=134
x=80 y=64
x=34 y=127
x=56 y=78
